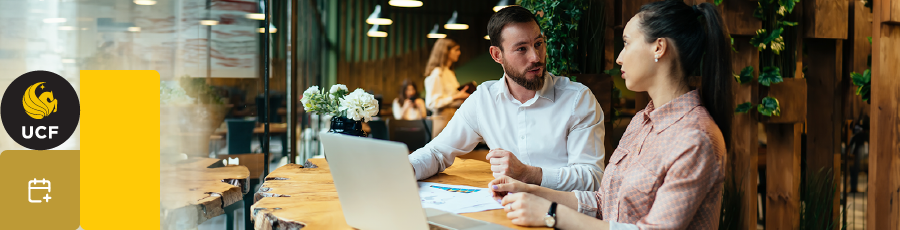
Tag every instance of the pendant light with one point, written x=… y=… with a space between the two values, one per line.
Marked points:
x=454 y=24
x=502 y=4
x=375 y=32
x=405 y=3
x=436 y=33
x=378 y=17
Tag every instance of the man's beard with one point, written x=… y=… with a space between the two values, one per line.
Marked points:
x=519 y=77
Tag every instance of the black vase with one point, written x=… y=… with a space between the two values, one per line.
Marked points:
x=347 y=126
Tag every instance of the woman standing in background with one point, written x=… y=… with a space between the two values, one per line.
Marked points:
x=443 y=96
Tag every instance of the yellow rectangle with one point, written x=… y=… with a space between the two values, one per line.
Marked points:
x=120 y=149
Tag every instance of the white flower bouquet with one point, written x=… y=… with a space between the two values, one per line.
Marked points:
x=358 y=105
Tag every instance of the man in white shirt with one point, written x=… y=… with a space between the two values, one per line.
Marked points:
x=542 y=129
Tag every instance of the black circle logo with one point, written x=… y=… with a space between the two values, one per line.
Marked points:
x=40 y=110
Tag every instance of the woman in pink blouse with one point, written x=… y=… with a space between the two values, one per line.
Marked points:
x=667 y=171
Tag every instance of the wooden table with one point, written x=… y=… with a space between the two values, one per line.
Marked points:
x=190 y=193
x=295 y=196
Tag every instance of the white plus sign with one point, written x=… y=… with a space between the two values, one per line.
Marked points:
x=47 y=197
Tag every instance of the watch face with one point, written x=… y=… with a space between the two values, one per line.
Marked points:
x=550 y=221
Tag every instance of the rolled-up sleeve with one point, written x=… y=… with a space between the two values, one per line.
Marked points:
x=588 y=203
x=458 y=138
x=584 y=146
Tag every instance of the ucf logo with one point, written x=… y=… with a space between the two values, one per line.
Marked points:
x=32 y=113
x=38 y=107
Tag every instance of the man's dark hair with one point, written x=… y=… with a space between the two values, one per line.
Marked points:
x=511 y=14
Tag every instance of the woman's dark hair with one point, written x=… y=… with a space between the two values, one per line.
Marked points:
x=402 y=95
x=701 y=40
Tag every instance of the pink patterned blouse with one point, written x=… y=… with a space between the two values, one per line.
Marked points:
x=667 y=171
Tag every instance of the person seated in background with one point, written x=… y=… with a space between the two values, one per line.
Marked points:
x=542 y=129
x=667 y=170
x=443 y=96
x=408 y=105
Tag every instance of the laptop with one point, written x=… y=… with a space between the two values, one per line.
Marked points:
x=378 y=189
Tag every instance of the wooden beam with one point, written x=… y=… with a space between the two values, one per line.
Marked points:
x=824 y=115
x=890 y=11
x=744 y=132
x=884 y=142
x=825 y=18
x=859 y=51
x=791 y=95
x=783 y=176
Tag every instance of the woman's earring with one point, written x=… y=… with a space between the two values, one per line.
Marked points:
x=656 y=58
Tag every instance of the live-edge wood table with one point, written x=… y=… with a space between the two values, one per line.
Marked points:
x=297 y=196
x=190 y=193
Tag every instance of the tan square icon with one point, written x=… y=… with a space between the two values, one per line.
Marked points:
x=41 y=189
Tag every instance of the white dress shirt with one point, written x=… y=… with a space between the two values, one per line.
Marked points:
x=560 y=130
x=440 y=87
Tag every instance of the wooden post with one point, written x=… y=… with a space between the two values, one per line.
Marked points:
x=859 y=51
x=884 y=142
x=783 y=176
x=745 y=137
x=824 y=115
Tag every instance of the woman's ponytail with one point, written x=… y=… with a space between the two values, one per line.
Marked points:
x=716 y=70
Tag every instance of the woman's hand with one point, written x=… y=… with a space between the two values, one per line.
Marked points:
x=409 y=103
x=526 y=209
x=462 y=94
x=504 y=185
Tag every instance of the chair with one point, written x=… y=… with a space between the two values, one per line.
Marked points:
x=379 y=130
x=414 y=133
x=275 y=102
x=240 y=134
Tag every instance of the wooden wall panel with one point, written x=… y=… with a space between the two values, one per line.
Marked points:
x=825 y=18
x=824 y=110
x=738 y=16
x=884 y=143
x=783 y=176
x=890 y=11
x=859 y=51
x=630 y=8
x=791 y=95
x=745 y=138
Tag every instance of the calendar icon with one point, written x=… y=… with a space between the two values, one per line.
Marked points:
x=42 y=184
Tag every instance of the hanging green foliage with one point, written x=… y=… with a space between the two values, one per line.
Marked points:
x=770 y=75
x=773 y=40
x=769 y=107
x=743 y=107
x=745 y=76
x=863 y=83
x=787 y=6
x=559 y=23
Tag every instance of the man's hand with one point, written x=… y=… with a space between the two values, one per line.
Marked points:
x=505 y=163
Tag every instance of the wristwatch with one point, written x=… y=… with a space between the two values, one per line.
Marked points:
x=550 y=219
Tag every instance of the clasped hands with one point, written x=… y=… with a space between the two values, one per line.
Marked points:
x=522 y=207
